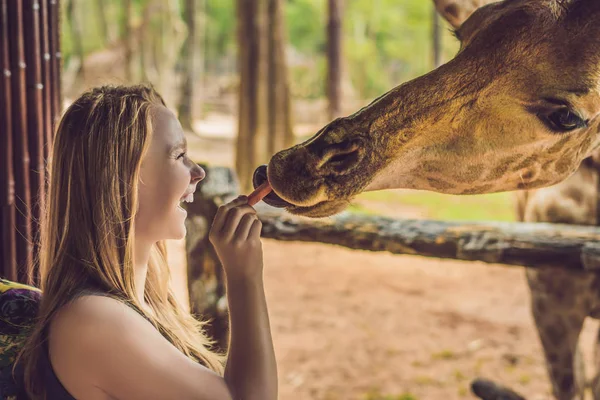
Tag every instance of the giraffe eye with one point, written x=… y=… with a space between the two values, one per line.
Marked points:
x=564 y=120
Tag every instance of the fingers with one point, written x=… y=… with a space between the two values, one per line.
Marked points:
x=221 y=216
x=243 y=228
x=233 y=219
x=255 y=229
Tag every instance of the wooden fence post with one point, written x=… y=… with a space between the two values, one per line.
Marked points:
x=206 y=284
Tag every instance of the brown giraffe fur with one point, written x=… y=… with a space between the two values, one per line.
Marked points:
x=484 y=122
x=440 y=133
x=561 y=300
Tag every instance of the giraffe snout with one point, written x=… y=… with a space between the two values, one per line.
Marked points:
x=340 y=158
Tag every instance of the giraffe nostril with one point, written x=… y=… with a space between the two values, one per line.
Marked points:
x=341 y=158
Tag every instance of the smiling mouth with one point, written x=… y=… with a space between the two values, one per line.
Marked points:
x=186 y=198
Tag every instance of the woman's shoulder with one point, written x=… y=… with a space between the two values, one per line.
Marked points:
x=87 y=335
x=91 y=311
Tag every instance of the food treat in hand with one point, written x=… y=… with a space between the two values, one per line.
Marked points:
x=259 y=193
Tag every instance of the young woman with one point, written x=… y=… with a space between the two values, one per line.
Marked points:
x=109 y=325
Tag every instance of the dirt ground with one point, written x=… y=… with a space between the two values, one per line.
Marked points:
x=373 y=326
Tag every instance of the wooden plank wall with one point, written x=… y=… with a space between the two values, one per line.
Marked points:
x=30 y=103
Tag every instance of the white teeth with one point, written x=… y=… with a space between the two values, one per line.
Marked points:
x=188 y=199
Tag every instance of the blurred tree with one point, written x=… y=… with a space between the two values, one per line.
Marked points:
x=436 y=38
x=129 y=39
x=264 y=124
x=190 y=63
x=334 y=58
x=106 y=25
x=76 y=36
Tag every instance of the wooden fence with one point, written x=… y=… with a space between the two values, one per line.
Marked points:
x=30 y=102
x=519 y=244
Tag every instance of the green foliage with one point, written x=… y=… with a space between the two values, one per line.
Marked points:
x=486 y=207
x=386 y=42
x=220 y=27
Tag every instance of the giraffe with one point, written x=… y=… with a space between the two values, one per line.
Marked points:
x=561 y=300
x=518 y=108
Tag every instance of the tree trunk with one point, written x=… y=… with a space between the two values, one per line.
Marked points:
x=185 y=108
x=76 y=34
x=129 y=40
x=436 y=39
x=105 y=27
x=281 y=133
x=334 y=59
x=264 y=124
x=166 y=35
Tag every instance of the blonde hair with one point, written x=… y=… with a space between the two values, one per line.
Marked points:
x=86 y=232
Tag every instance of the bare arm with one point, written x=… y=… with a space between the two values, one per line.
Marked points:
x=251 y=371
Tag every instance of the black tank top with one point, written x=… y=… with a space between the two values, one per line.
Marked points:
x=54 y=388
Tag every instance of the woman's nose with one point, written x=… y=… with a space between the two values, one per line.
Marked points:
x=198 y=173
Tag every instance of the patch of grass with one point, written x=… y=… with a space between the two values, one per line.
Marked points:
x=444 y=355
x=459 y=376
x=485 y=207
x=463 y=391
x=359 y=209
x=426 y=381
x=524 y=379
x=478 y=367
x=377 y=395
x=511 y=369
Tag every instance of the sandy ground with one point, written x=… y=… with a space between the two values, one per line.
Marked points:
x=358 y=325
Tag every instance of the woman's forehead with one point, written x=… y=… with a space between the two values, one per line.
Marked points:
x=165 y=126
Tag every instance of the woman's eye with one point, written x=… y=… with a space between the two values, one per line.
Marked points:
x=181 y=156
x=564 y=120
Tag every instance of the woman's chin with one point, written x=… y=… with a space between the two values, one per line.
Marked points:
x=178 y=230
x=177 y=233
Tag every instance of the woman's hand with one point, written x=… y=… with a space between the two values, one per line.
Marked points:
x=235 y=234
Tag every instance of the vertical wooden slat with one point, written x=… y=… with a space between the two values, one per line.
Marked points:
x=8 y=257
x=56 y=58
x=35 y=116
x=46 y=77
x=20 y=150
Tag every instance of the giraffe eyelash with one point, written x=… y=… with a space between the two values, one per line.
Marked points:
x=456 y=34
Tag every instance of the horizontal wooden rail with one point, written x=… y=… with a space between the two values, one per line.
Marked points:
x=522 y=244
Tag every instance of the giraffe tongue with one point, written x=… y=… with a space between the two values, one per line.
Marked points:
x=272 y=199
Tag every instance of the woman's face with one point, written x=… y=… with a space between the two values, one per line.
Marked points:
x=167 y=177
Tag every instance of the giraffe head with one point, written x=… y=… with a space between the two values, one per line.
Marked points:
x=517 y=108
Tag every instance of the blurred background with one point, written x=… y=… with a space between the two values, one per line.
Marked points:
x=189 y=49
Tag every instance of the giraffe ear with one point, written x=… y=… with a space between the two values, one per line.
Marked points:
x=581 y=21
x=455 y=11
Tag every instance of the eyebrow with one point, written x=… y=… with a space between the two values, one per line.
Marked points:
x=180 y=145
